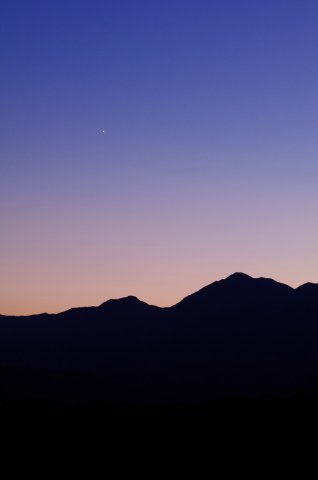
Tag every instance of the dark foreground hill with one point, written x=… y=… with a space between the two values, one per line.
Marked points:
x=222 y=385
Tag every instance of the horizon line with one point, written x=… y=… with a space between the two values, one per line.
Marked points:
x=237 y=273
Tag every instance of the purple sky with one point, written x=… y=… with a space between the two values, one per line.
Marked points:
x=208 y=163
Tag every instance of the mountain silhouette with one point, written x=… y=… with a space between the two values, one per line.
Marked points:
x=236 y=336
x=237 y=292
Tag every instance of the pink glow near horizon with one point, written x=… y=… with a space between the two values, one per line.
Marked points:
x=159 y=250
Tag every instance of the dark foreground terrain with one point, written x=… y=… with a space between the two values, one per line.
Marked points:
x=222 y=385
x=234 y=438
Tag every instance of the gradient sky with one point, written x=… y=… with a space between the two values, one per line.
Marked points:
x=209 y=160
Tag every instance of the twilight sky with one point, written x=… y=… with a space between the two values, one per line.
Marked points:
x=209 y=160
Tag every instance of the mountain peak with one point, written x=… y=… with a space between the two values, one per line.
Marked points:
x=239 y=276
x=239 y=287
x=129 y=300
x=308 y=288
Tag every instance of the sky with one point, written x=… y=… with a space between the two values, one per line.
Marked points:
x=208 y=160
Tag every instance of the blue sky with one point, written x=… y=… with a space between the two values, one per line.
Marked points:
x=208 y=163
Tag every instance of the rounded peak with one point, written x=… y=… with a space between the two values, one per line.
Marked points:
x=238 y=279
x=307 y=287
x=239 y=276
x=129 y=301
x=129 y=297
